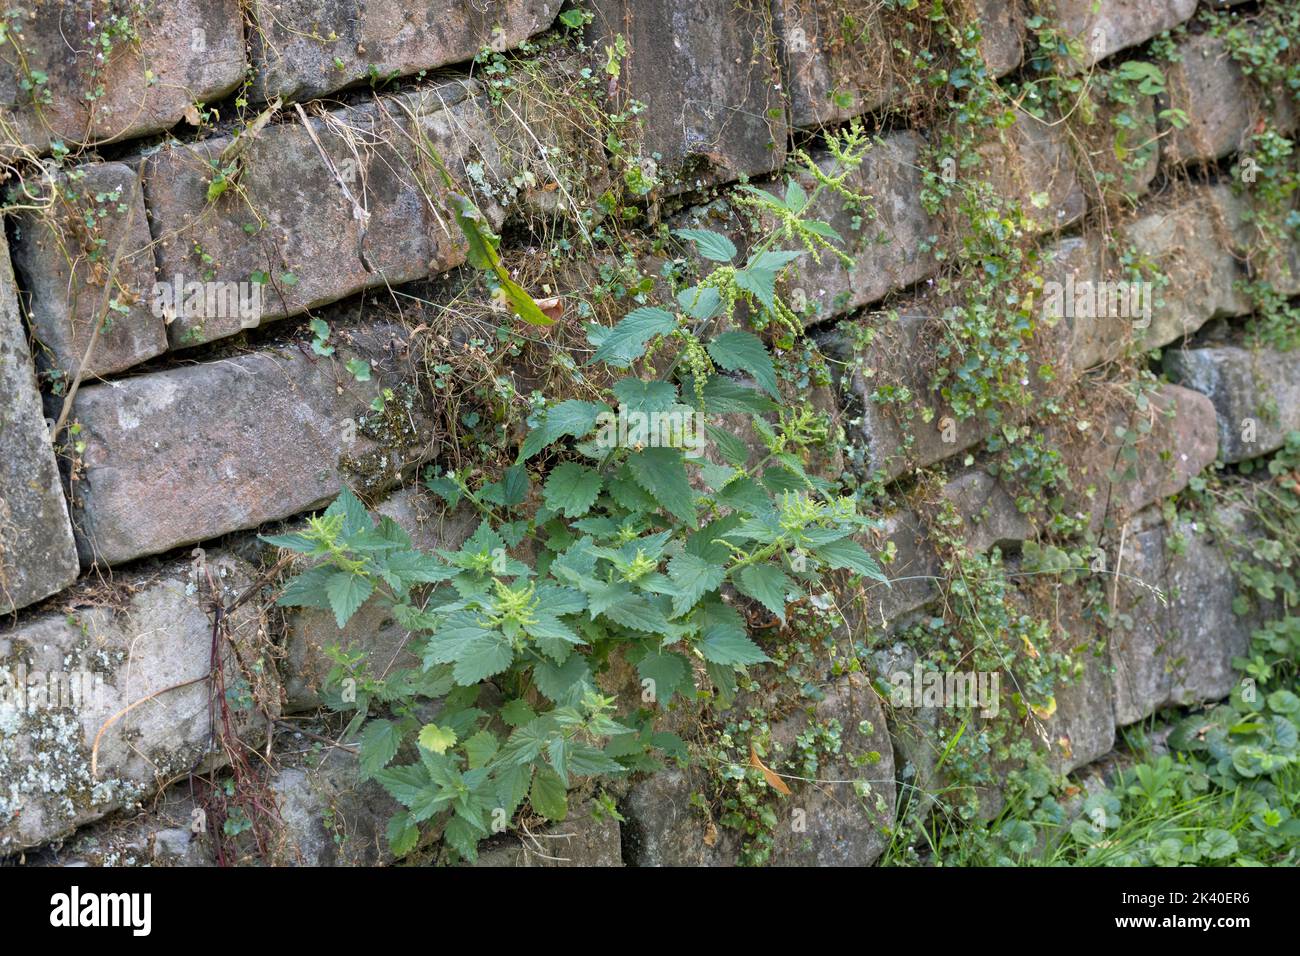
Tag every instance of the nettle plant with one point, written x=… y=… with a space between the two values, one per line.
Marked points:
x=640 y=548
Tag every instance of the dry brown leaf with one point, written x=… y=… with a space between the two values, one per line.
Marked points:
x=773 y=781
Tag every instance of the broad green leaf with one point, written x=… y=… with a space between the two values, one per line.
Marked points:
x=482 y=657
x=711 y=245
x=549 y=796
x=572 y=489
x=643 y=396
x=662 y=473
x=626 y=341
x=379 y=742
x=766 y=584
x=435 y=738
x=727 y=643
x=694 y=577
x=669 y=672
x=402 y=833
x=745 y=352
x=572 y=417
x=846 y=554
x=480 y=749
x=700 y=302
x=347 y=592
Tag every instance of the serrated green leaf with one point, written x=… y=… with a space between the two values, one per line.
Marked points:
x=766 y=584
x=379 y=743
x=436 y=739
x=694 y=578
x=572 y=417
x=549 y=796
x=711 y=245
x=483 y=656
x=661 y=472
x=572 y=489
x=669 y=672
x=846 y=554
x=403 y=834
x=745 y=352
x=626 y=341
x=347 y=592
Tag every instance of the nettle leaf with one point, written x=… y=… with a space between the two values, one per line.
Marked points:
x=760 y=274
x=700 y=302
x=292 y=542
x=483 y=656
x=480 y=749
x=572 y=489
x=564 y=685
x=355 y=516
x=694 y=578
x=642 y=396
x=766 y=584
x=510 y=491
x=745 y=352
x=436 y=739
x=379 y=743
x=308 y=589
x=846 y=554
x=516 y=713
x=723 y=396
x=626 y=341
x=723 y=644
x=572 y=417
x=711 y=245
x=549 y=796
x=639 y=614
x=403 y=834
x=347 y=592
x=732 y=449
x=668 y=671
x=661 y=472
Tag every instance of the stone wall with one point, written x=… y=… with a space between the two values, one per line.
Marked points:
x=193 y=429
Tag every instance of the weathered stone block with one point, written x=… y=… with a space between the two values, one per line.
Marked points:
x=1256 y=395
x=844 y=821
x=1221 y=107
x=843 y=60
x=330 y=816
x=82 y=668
x=37 y=552
x=145 y=64
x=1078 y=337
x=583 y=839
x=305 y=48
x=1108 y=27
x=1032 y=163
x=1174 y=439
x=913 y=573
x=66 y=268
x=988 y=511
x=1190 y=242
x=344 y=203
x=190 y=453
x=894 y=359
x=1121 y=144
x=889 y=250
x=1176 y=648
x=705 y=69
